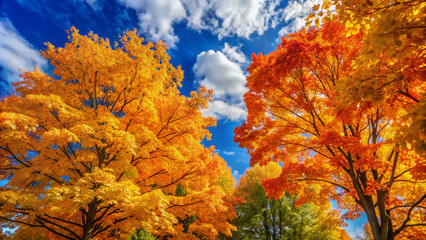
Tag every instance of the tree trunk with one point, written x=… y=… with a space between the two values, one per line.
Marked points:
x=89 y=219
x=301 y=225
x=273 y=215
x=266 y=225
x=281 y=222
x=381 y=226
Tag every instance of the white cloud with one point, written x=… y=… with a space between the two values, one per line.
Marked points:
x=220 y=74
x=222 y=17
x=16 y=52
x=156 y=18
x=225 y=77
x=295 y=14
x=229 y=153
x=234 y=54
x=197 y=11
x=236 y=175
x=244 y=17
x=222 y=110
x=294 y=25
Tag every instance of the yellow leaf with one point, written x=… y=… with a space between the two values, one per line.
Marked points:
x=310 y=16
x=316 y=7
x=317 y=22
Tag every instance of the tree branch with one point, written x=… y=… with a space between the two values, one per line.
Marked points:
x=321 y=180
x=65 y=221
x=184 y=205
x=41 y=221
x=408 y=218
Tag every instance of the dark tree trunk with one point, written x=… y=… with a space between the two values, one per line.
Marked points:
x=266 y=225
x=89 y=219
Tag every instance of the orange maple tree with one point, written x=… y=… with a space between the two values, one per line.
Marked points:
x=108 y=146
x=391 y=66
x=329 y=150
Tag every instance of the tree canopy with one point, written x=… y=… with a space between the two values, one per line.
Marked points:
x=108 y=145
x=331 y=150
x=390 y=68
x=262 y=218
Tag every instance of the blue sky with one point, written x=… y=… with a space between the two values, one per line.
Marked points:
x=211 y=39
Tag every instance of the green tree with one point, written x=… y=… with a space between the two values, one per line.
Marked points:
x=263 y=218
x=141 y=235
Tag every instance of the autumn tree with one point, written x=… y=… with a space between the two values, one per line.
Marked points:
x=141 y=234
x=99 y=150
x=262 y=218
x=391 y=67
x=330 y=150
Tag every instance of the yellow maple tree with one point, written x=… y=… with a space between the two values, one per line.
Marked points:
x=108 y=145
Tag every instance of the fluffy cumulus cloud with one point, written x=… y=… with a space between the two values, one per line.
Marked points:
x=222 y=17
x=243 y=17
x=295 y=13
x=234 y=54
x=156 y=18
x=217 y=72
x=226 y=110
x=16 y=52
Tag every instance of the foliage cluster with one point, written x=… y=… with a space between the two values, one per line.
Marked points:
x=109 y=146
x=342 y=107
x=262 y=218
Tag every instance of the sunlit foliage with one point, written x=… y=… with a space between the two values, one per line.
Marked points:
x=391 y=67
x=99 y=150
x=331 y=150
x=262 y=218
